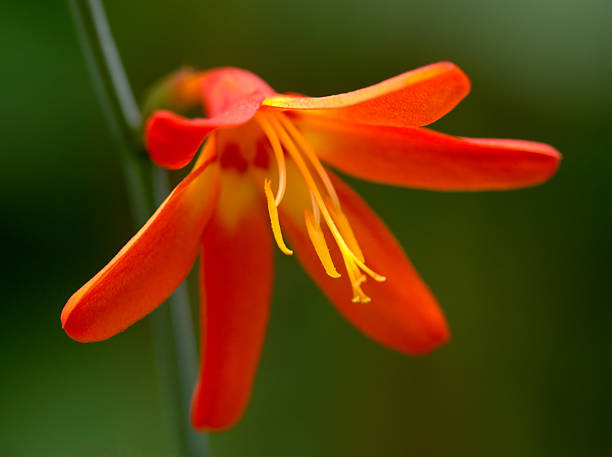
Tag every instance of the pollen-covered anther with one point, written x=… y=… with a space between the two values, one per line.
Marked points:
x=284 y=136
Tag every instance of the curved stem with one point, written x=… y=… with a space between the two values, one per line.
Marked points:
x=173 y=333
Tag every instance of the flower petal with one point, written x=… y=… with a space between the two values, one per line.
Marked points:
x=403 y=314
x=149 y=267
x=412 y=99
x=426 y=159
x=173 y=140
x=222 y=88
x=236 y=280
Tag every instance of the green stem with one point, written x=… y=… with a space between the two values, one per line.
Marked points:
x=173 y=333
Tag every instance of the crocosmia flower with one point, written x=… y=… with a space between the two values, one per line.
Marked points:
x=261 y=178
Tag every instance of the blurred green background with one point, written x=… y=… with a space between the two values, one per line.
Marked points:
x=523 y=276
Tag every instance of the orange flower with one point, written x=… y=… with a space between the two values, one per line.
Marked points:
x=258 y=141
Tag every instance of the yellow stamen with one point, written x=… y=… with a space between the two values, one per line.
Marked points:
x=315 y=210
x=288 y=143
x=312 y=156
x=285 y=137
x=276 y=229
x=278 y=154
x=356 y=279
x=318 y=241
x=347 y=232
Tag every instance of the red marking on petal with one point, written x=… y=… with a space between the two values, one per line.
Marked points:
x=262 y=153
x=231 y=157
x=173 y=140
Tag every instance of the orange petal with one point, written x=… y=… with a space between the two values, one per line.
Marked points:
x=173 y=140
x=149 y=267
x=403 y=314
x=426 y=159
x=412 y=99
x=222 y=88
x=236 y=280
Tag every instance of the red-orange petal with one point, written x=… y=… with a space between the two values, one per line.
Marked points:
x=173 y=140
x=149 y=267
x=422 y=158
x=403 y=314
x=412 y=99
x=222 y=88
x=236 y=281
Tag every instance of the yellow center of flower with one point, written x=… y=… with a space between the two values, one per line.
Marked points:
x=285 y=137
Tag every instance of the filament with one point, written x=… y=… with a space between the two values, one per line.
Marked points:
x=278 y=154
x=315 y=210
x=347 y=233
x=276 y=229
x=312 y=156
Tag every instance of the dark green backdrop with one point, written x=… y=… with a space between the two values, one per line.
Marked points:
x=523 y=276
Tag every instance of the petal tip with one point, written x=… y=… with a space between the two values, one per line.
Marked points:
x=71 y=325
x=534 y=164
x=455 y=78
x=554 y=159
x=157 y=143
x=439 y=337
x=204 y=419
x=76 y=321
x=436 y=335
x=172 y=140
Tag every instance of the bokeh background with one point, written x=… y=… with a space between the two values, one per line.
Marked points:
x=523 y=276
